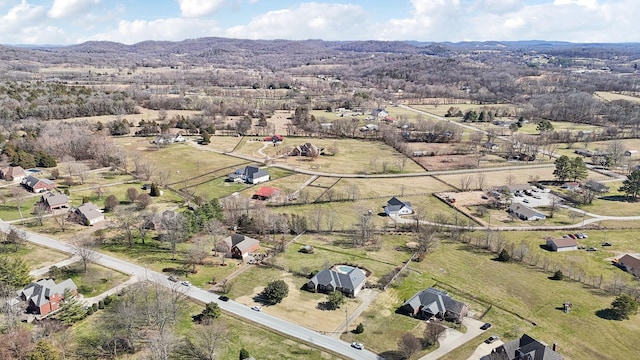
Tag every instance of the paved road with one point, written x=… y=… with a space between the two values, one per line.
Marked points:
x=293 y=330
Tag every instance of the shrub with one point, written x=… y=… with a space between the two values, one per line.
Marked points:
x=359 y=329
x=504 y=256
x=558 y=275
x=244 y=354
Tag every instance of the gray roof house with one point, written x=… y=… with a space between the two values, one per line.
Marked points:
x=524 y=348
x=431 y=302
x=562 y=244
x=89 y=213
x=55 y=201
x=523 y=212
x=45 y=295
x=240 y=246
x=396 y=207
x=596 y=186
x=249 y=174
x=349 y=283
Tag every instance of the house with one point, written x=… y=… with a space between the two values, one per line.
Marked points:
x=571 y=185
x=307 y=149
x=431 y=302
x=274 y=139
x=562 y=244
x=265 y=193
x=379 y=113
x=249 y=174
x=596 y=186
x=241 y=246
x=524 y=348
x=44 y=296
x=36 y=185
x=630 y=152
x=583 y=152
x=55 y=201
x=630 y=264
x=89 y=214
x=396 y=207
x=166 y=139
x=348 y=282
x=12 y=173
x=369 y=127
x=523 y=212
x=491 y=146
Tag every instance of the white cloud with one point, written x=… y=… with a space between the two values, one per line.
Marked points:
x=66 y=8
x=499 y=6
x=173 y=29
x=307 y=21
x=17 y=23
x=199 y=8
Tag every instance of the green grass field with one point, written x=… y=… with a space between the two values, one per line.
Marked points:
x=527 y=291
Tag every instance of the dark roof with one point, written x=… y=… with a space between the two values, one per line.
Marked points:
x=395 y=204
x=526 y=346
x=631 y=262
x=31 y=181
x=435 y=301
x=252 y=172
x=350 y=281
x=40 y=291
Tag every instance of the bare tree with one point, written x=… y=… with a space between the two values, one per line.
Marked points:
x=174 y=230
x=125 y=221
x=19 y=195
x=480 y=179
x=554 y=206
x=331 y=219
x=99 y=191
x=409 y=345
x=426 y=239
x=431 y=333
x=198 y=253
x=82 y=248
x=62 y=219
x=222 y=248
x=316 y=217
x=132 y=194
x=205 y=343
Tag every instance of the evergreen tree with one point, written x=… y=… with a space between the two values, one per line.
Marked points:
x=276 y=291
x=155 y=191
x=578 y=169
x=44 y=350
x=631 y=186
x=244 y=354
x=623 y=306
x=563 y=168
x=14 y=272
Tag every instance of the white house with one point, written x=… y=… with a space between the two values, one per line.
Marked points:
x=249 y=174
x=396 y=207
x=523 y=212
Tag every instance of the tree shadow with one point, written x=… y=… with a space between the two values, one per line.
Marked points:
x=607 y=314
x=621 y=198
x=392 y=355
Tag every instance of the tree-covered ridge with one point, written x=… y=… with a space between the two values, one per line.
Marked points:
x=50 y=100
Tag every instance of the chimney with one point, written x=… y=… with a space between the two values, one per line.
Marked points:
x=555 y=346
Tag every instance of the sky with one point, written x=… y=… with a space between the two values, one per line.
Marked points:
x=65 y=22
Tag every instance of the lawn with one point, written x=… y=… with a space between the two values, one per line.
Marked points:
x=352 y=157
x=609 y=96
x=35 y=257
x=441 y=110
x=501 y=177
x=95 y=281
x=528 y=292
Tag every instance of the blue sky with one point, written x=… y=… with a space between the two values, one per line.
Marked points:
x=65 y=22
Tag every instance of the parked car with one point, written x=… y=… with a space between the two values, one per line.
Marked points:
x=607 y=244
x=579 y=236
x=571 y=236
x=173 y=278
x=592 y=249
x=186 y=283
x=256 y=308
x=536 y=197
x=223 y=298
x=525 y=201
x=357 y=345
x=491 y=339
x=485 y=326
x=584 y=236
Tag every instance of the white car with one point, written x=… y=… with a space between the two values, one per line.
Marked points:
x=256 y=308
x=186 y=283
x=357 y=345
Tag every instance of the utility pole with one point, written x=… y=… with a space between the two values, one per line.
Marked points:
x=346 y=319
